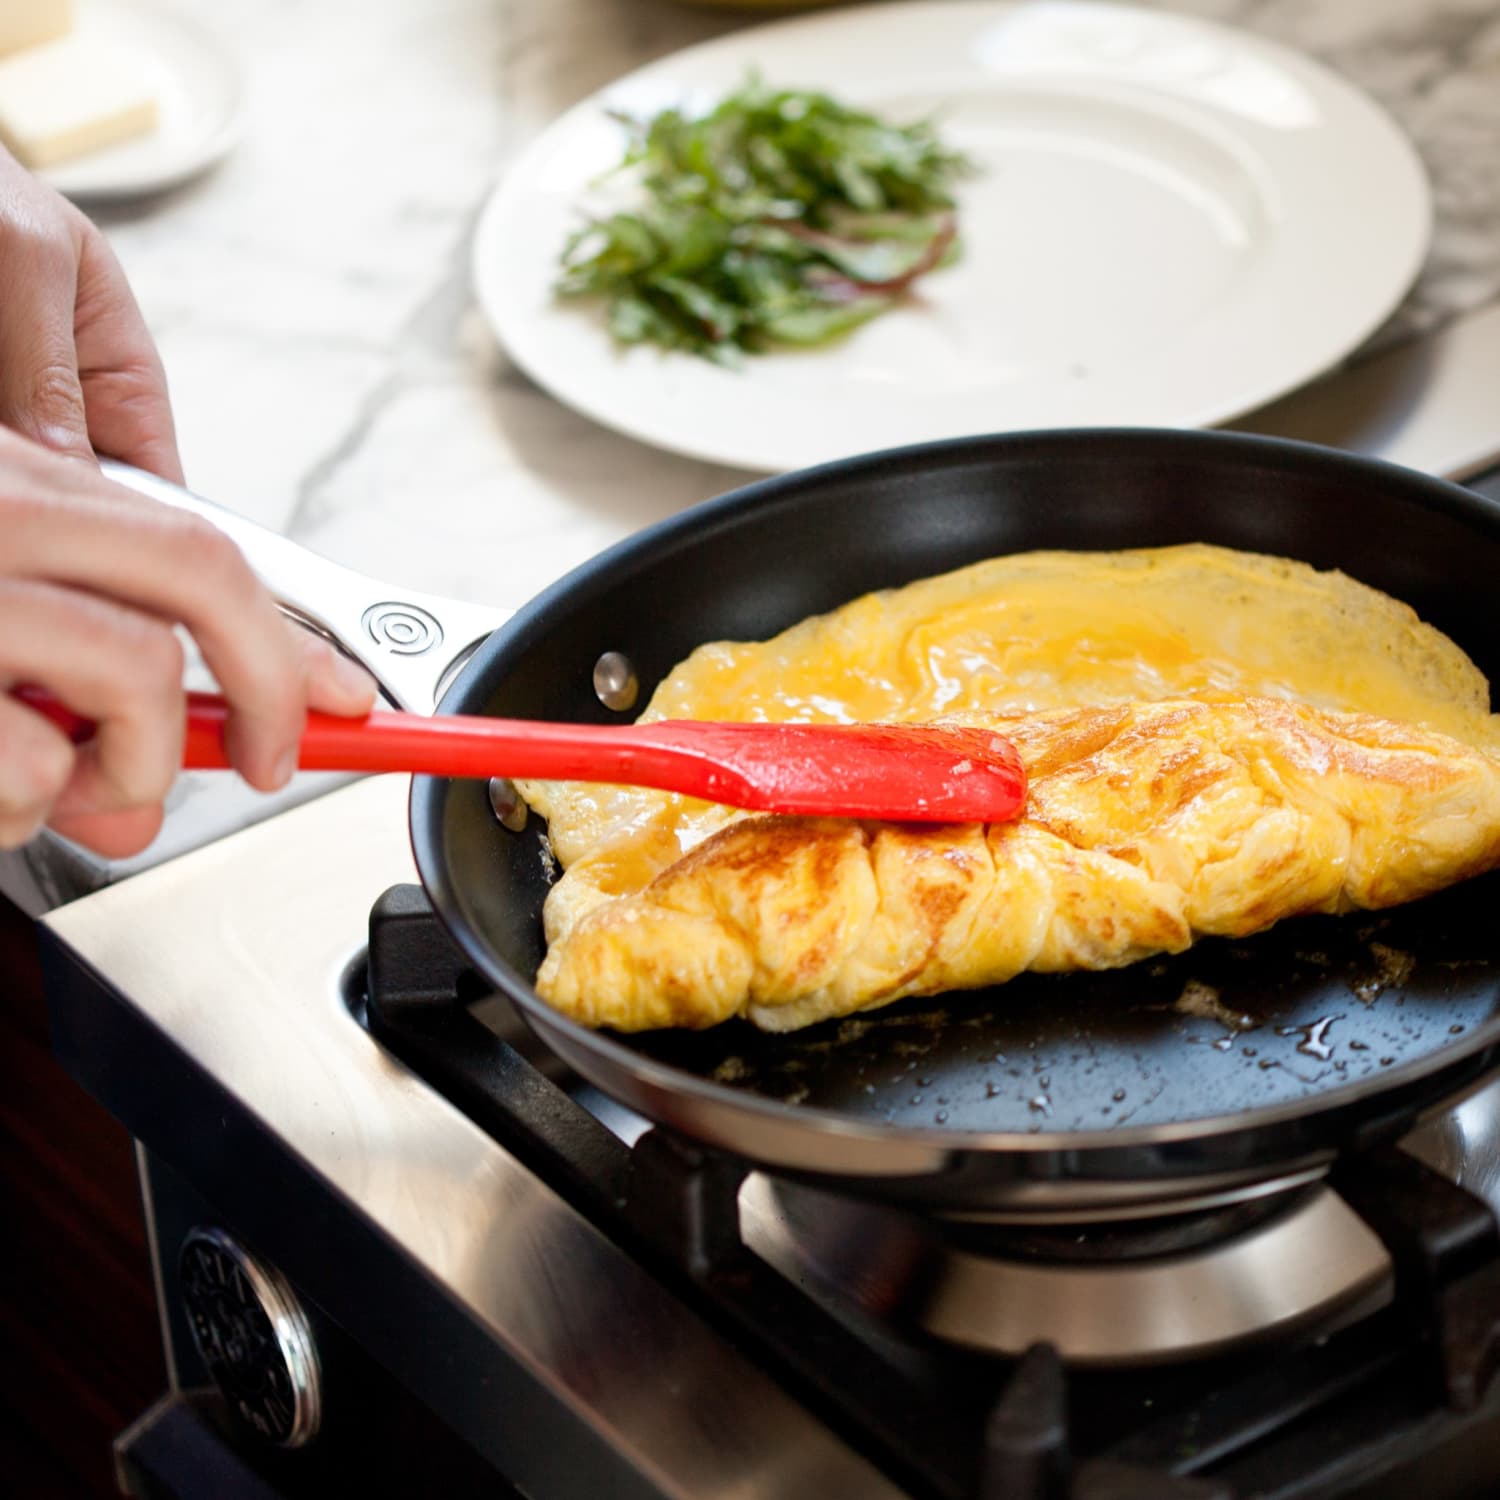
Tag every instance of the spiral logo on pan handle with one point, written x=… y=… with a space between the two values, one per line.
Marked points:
x=401 y=629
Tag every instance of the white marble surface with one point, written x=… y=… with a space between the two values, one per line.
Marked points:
x=311 y=296
x=312 y=300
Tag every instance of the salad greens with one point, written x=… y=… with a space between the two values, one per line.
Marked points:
x=781 y=216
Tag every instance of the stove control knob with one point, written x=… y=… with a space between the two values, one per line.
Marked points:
x=253 y=1336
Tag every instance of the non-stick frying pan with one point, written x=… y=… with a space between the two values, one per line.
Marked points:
x=1226 y=1072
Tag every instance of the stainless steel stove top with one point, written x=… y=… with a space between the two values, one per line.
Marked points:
x=261 y=928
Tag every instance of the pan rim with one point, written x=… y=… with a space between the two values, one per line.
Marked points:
x=612 y=566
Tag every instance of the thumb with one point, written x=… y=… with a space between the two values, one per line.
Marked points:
x=40 y=393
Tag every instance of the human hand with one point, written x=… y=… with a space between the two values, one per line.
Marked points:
x=93 y=579
x=78 y=371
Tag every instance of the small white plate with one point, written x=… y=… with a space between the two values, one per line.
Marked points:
x=200 y=104
x=1174 y=223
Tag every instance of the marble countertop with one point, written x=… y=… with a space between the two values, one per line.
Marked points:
x=331 y=373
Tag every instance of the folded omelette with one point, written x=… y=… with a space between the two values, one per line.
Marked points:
x=1214 y=740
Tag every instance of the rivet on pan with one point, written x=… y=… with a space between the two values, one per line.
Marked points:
x=615 y=681
x=506 y=803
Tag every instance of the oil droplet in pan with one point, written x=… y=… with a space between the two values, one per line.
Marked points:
x=1314 y=1036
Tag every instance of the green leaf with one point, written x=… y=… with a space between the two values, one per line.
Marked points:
x=754 y=219
x=819 y=323
x=717 y=318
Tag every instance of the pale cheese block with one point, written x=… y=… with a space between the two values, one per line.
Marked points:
x=28 y=23
x=69 y=97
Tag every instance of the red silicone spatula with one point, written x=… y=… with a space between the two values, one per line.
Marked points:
x=897 y=772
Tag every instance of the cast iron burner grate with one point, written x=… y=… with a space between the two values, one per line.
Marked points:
x=1398 y=1399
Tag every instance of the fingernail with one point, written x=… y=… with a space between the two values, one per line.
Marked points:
x=285 y=768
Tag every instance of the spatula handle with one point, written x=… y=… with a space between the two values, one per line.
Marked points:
x=450 y=745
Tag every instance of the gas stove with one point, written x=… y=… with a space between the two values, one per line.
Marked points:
x=394 y=1238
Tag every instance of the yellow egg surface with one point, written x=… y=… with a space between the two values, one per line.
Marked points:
x=1025 y=633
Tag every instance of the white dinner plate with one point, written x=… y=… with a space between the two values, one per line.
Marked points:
x=1173 y=223
x=199 y=104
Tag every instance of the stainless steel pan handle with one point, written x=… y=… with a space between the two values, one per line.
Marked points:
x=411 y=642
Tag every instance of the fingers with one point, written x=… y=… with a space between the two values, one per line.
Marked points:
x=36 y=761
x=176 y=567
x=113 y=665
x=40 y=394
x=87 y=809
x=120 y=374
x=335 y=684
x=115 y=835
x=63 y=526
x=121 y=668
x=78 y=370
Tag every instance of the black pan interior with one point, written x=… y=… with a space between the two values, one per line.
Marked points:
x=1305 y=1010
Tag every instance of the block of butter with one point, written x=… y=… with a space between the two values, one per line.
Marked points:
x=25 y=23
x=65 y=98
